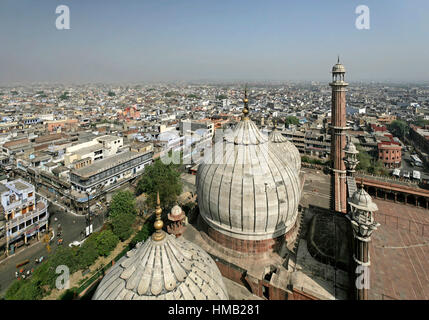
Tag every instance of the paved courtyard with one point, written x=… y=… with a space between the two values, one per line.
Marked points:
x=399 y=249
x=399 y=253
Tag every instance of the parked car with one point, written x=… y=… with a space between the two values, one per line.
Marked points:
x=396 y=173
x=74 y=244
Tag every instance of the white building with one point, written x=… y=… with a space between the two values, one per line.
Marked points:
x=24 y=216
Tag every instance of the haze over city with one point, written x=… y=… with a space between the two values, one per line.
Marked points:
x=243 y=40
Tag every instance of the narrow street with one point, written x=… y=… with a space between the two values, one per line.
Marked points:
x=73 y=227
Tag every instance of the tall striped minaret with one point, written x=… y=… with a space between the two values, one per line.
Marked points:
x=338 y=139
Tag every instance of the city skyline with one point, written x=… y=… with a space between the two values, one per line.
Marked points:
x=221 y=41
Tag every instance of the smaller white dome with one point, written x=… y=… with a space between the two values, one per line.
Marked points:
x=351 y=148
x=176 y=211
x=286 y=149
x=172 y=269
x=338 y=68
x=363 y=201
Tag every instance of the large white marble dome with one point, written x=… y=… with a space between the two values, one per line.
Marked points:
x=249 y=191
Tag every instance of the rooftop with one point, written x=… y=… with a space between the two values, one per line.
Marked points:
x=108 y=138
x=3 y=188
x=20 y=185
x=106 y=164
x=89 y=149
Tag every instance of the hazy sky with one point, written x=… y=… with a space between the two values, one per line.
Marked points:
x=160 y=40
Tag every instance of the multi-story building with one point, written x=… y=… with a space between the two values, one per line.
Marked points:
x=311 y=142
x=420 y=136
x=109 y=172
x=61 y=124
x=24 y=215
x=91 y=151
x=192 y=126
x=390 y=153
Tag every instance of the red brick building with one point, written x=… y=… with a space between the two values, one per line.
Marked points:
x=390 y=153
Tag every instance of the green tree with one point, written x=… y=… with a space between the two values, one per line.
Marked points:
x=106 y=241
x=291 y=120
x=64 y=96
x=122 y=202
x=122 y=225
x=421 y=122
x=143 y=234
x=122 y=213
x=111 y=94
x=163 y=178
x=364 y=159
x=28 y=291
x=193 y=96
x=88 y=252
x=13 y=289
x=378 y=168
x=65 y=256
x=398 y=128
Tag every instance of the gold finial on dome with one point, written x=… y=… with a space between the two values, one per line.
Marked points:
x=246 y=107
x=158 y=235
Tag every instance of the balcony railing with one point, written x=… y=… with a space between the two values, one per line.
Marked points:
x=18 y=233
x=30 y=215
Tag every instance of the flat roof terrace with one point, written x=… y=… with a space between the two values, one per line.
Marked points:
x=89 y=149
x=105 y=164
x=108 y=138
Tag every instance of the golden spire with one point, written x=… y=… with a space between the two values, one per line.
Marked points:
x=158 y=235
x=246 y=107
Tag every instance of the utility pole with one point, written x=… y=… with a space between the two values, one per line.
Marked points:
x=7 y=239
x=96 y=193
x=88 y=220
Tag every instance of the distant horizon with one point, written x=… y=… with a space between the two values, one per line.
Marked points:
x=172 y=41
x=203 y=82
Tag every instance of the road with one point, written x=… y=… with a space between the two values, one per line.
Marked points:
x=407 y=166
x=72 y=228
